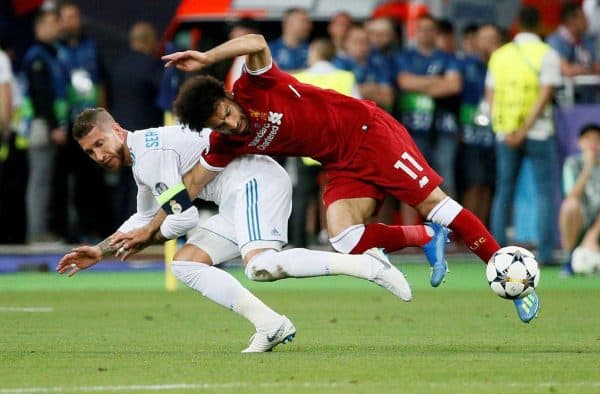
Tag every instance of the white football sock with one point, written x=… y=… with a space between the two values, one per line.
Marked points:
x=222 y=288
x=271 y=265
x=445 y=212
x=347 y=240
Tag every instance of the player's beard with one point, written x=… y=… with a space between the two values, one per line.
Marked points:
x=116 y=160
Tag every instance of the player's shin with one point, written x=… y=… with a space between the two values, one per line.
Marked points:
x=223 y=289
x=359 y=238
x=466 y=225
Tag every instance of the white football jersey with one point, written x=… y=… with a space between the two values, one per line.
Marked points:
x=161 y=156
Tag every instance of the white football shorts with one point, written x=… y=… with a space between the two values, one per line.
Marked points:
x=252 y=215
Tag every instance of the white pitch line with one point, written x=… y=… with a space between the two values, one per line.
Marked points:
x=582 y=383
x=31 y=309
x=161 y=387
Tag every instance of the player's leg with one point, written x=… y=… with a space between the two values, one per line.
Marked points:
x=347 y=215
x=440 y=208
x=402 y=171
x=542 y=155
x=592 y=235
x=268 y=265
x=346 y=220
x=508 y=164
x=570 y=222
x=193 y=265
x=261 y=215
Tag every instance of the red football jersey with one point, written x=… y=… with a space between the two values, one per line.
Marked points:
x=290 y=118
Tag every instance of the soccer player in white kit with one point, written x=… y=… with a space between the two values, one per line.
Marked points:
x=254 y=198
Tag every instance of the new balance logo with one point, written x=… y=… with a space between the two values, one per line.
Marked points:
x=275 y=117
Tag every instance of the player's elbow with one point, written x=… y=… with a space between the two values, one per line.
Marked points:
x=177 y=225
x=256 y=42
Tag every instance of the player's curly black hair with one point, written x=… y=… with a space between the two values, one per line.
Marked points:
x=197 y=100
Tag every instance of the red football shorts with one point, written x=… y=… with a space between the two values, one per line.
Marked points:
x=387 y=161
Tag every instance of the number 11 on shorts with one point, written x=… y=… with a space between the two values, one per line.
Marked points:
x=409 y=165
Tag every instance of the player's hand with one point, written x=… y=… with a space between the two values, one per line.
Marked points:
x=131 y=242
x=187 y=60
x=79 y=259
x=515 y=140
x=590 y=158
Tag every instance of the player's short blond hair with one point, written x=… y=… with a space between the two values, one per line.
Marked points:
x=88 y=119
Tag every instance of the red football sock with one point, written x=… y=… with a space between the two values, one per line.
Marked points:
x=391 y=238
x=474 y=234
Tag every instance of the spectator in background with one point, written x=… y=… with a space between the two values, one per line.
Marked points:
x=337 y=28
x=323 y=73
x=591 y=9
x=469 y=40
x=136 y=78
x=172 y=78
x=13 y=163
x=373 y=77
x=6 y=106
x=307 y=190
x=135 y=82
x=520 y=84
x=45 y=116
x=580 y=211
x=577 y=50
x=79 y=54
x=477 y=139
x=290 y=51
x=446 y=38
x=384 y=42
x=242 y=27
x=382 y=36
x=425 y=75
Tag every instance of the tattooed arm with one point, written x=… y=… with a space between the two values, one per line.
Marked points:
x=83 y=257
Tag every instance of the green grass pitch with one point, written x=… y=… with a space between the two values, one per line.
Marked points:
x=121 y=332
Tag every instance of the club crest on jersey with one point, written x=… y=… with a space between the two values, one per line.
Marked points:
x=258 y=115
x=268 y=131
x=175 y=207
x=275 y=117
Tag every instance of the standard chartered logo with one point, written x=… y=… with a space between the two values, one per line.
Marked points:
x=272 y=127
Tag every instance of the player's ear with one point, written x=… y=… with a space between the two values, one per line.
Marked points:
x=229 y=95
x=118 y=129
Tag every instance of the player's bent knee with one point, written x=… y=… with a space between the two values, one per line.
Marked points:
x=570 y=207
x=190 y=252
x=187 y=271
x=264 y=267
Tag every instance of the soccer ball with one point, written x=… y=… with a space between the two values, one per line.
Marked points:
x=512 y=272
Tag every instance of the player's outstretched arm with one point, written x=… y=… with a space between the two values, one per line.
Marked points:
x=83 y=257
x=253 y=45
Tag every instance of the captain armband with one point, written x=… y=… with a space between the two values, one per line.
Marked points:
x=175 y=200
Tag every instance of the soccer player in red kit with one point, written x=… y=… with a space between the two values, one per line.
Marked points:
x=364 y=151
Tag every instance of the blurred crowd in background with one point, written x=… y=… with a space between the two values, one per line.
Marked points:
x=433 y=80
